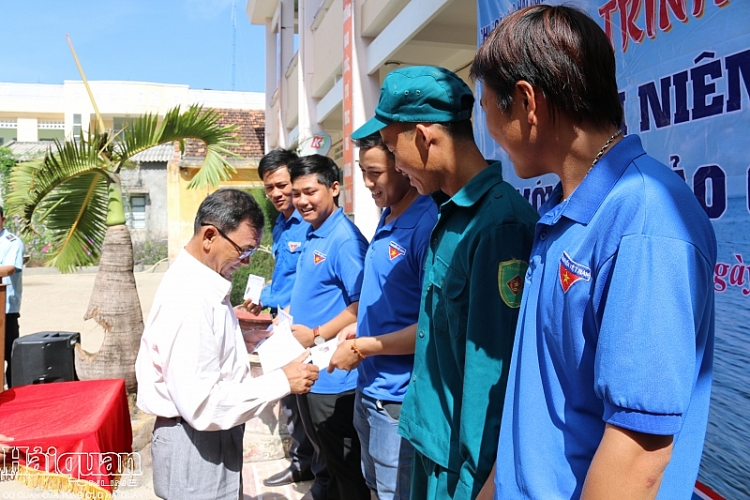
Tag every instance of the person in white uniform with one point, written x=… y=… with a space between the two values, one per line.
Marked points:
x=11 y=264
x=192 y=368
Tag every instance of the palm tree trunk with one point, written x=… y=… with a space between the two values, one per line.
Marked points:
x=115 y=306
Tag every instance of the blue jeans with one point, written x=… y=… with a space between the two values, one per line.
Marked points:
x=386 y=456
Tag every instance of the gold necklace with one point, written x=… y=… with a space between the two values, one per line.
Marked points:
x=600 y=154
x=604 y=148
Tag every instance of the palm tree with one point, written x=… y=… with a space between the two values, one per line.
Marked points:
x=74 y=192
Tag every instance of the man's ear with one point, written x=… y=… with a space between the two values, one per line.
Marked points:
x=335 y=188
x=528 y=98
x=208 y=235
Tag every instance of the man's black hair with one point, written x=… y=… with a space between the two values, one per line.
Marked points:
x=372 y=141
x=323 y=167
x=274 y=160
x=226 y=209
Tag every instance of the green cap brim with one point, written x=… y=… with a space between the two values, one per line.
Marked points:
x=372 y=126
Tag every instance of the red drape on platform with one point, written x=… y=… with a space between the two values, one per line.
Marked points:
x=79 y=429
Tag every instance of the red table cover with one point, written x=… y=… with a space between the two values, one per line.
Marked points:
x=66 y=433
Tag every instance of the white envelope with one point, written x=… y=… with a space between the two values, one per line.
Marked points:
x=321 y=354
x=254 y=288
x=279 y=349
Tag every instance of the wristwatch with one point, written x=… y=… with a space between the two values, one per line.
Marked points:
x=317 y=338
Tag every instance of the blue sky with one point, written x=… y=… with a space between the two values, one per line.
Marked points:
x=165 y=41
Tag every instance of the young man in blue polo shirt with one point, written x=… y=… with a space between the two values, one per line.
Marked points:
x=473 y=280
x=611 y=372
x=289 y=233
x=383 y=348
x=325 y=299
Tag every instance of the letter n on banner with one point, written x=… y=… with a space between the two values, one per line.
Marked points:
x=348 y=106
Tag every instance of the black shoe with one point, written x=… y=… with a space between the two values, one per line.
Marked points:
x=288 y=476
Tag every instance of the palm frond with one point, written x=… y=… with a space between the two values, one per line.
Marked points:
x=75 y=215
x=31 y=182
x=195 y=123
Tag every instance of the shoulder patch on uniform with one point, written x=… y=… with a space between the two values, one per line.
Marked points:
x=510 y=277
x=571 y=272
x=10 y=237
x=395 y=250
x=318 y=257
x=294 y=245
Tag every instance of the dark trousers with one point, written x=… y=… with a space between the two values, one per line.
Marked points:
x=328 y=420
x=301 y=450
x=11 y=334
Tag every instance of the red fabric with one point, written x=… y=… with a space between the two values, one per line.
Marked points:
x=81 y=429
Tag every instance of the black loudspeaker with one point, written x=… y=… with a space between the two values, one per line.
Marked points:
x=44 y=357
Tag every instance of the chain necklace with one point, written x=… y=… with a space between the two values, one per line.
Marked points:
x=600 y=154
x=604 y=148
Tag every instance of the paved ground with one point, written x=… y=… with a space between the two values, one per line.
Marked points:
x=55 y=302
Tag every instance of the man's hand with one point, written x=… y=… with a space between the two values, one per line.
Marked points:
x=253 y=309
x=347 y=333
x=488 y=490
x=253 y=337
x=304 y=335
x=344 y=358
x=301 y=375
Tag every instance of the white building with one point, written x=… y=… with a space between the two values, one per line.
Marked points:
x=33 y=115
x=331 y=83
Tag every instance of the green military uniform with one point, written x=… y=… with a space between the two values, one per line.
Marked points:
x=474 y=274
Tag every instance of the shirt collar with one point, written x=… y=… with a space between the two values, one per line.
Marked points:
x=209 y=280
x=411 y=215
x=328 y=224
x=292 y=218
x=476 y=188
x=589 y=195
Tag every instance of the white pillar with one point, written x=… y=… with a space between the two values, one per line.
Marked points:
x=307 y=120
x=286 y=39
x=364 y=94
x=28 y=130
x=272 y=83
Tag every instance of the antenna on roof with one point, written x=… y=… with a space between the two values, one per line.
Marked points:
x=234 y=43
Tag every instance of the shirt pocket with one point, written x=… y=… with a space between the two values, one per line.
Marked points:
x=449 y=304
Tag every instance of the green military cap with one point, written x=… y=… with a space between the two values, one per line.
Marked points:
x=419 y=94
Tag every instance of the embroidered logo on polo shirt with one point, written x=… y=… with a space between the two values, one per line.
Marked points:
x=318 y=257
x=571 y=272
x=510 y=281
x=294 y=245
x=395 y=250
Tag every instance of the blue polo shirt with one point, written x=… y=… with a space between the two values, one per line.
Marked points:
x=616 y=326
x=329 y=278
x=288 y=237
x=11 y=254
x=391 y=291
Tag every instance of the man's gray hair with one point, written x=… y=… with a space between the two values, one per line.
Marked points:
x=226 y=209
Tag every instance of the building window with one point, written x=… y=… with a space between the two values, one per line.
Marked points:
x=76 y=127
x=138 y=211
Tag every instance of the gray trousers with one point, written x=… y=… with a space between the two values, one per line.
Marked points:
x=196 y=465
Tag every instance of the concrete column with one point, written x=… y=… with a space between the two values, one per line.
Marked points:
x=287 y=52
x=364 y=94
x=272 y=83
x=28 y=130
x=307 y=124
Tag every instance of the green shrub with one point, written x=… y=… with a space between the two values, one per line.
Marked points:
x=262 y=262
x=148 y=253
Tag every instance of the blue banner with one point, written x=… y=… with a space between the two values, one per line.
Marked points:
x=683 y=70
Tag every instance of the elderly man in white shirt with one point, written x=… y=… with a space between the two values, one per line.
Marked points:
x=192 y=368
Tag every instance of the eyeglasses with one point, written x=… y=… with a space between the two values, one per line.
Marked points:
x=244 y=254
